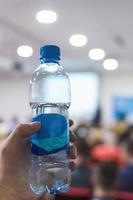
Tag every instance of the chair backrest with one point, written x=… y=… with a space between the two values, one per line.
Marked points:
x=123 y=195
x=86 y=194
x=75 y=194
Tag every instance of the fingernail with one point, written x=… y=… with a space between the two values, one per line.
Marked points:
x=36 y=124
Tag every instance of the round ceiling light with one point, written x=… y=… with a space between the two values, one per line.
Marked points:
x=96 y=54
x=78 y=40
x=46 y=16
x=110 y=64
x=25 y=51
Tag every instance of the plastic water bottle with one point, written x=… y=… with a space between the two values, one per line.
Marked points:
x=49 y=100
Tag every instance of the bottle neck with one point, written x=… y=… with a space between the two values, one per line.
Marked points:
x=49 y=61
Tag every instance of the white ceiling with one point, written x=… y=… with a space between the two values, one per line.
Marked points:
x=108 y=24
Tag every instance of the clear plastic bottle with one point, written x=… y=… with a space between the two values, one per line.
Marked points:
x=49 y=100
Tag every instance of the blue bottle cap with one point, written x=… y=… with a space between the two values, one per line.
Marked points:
x=50 y=53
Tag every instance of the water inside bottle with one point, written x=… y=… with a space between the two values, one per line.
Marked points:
x=49 y=173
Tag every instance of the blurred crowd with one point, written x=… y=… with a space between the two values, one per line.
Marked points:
x=105 y=156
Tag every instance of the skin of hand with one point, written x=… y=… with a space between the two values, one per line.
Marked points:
x=15 y=154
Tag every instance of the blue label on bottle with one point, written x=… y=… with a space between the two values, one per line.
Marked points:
x=53 y=135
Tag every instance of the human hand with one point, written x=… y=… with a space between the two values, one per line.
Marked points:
x=15 y=161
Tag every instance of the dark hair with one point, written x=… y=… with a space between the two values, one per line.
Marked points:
x=107 y=174
x=83 y=147
x=129 y=144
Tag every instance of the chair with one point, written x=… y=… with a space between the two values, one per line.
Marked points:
x=75 y=194
x=123 y=195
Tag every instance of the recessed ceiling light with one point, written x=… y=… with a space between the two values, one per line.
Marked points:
x=110 y=64
x=78 y=40
x=96 y=54
x=46 y=16
x=25 y=51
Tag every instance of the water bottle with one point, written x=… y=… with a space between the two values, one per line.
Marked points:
x=49 y=100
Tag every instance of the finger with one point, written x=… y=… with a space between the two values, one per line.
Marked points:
x=72 y=136
x=70 y=122
x=72 y=165
x=72 y=152
x=45 y=196
x=26 y=129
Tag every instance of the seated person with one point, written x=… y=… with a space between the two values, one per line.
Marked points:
x=104 y=180
x=125 y=176
x=81 y=175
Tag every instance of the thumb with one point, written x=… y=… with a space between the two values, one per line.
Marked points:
x=24 y=130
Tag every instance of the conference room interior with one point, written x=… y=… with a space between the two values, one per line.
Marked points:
x=96 y=44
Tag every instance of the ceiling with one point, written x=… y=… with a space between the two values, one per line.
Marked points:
x=108 y=24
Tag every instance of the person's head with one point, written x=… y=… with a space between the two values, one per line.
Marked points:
x=129 y=145
x=124 y=137
x=106 y=175
x=83 y=150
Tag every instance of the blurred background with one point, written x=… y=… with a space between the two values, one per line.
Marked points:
x=96 y=41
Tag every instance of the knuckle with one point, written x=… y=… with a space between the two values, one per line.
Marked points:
x=72 y=136
x=71 y=150
x=74 y=150
x=20 y=127
x=72 y=147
